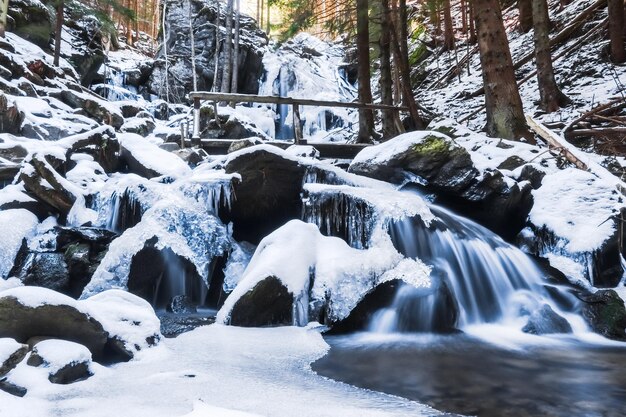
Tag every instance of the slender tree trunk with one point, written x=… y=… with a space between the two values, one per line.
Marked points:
x=366 y=117
x=4 y=8
x=551 y=96
x=269 y=23
x=463 y=16
x=448 y=38
x=216 y=74
x=234 y=87
x=192 y=40
x=616 y=30
x=261 y=20
x=472 y=28
x=167 y=63
x=228 y=49
x=386 y=88
x=505 y=113
x=58 y=32
x=525 y=8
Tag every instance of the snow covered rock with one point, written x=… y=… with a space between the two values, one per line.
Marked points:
x=268 y=303
x=27 y=312
x=16 y=226
x=148 y=160
x=269 y=192
x=11 y=353
x=139 y=125
x=66 y=362
x=487 y=197
x=575 y=224
x=100 y=110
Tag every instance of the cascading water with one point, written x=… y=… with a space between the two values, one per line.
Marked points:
x=488 y=279
x=285 y=128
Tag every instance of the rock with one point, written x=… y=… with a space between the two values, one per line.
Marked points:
x=32 y=21
x=148 y=160
x=273 y=181
x=160 y=109
x=47 y=270
x=10 y=117
x=181 y=304
x=67 y=362
x=9 y=88
x=11 y=388
x=11 y=353
x=240 y=144
x=512 y=163
x=269 y=303
x=604 y=311
x=98 y=109
x=173 y=325
x=488 y=197
x=533 y=174
x=101 y=143
x=303 y=151
x=138 y=125
x=39 y=171
x=84 y=31
x=545 y=321
x=252 y=43
x=13 y=152
x=130 y=108
x=192 y=156
x=27 y=312
x=171 y=147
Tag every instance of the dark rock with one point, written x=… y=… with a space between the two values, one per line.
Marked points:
x=140 y=126
x=240 y=144
x=173 y=325
x=11 y=388
x=130 y=108
x=450 y=174
x=268 y=195
x=13 y=153
x=40 y=170
x=74 y=370
x=181 y=304
x=70 y=373
x=192 y=156
x=269 y=303
x=10 y=117
x=170 y=147
x=94 y=107
x=101 y=144
x=252 y=41
x=13 y=359
x=545 y=321
x=512 y=163
x=46 y=269
x=160 y=110
x=604 y=311
x=533 y=175
x=8 y=88
x=32 y=21
x=21 y=322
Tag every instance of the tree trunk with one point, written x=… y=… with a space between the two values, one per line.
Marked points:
x=472 y=28
x=216 y=74
x=366 y=117
x=386 y=88
x=228 y=49
x=4 y=8
x=616 y=30
x=269 y=27
x=525 y=8
x=58 y=32
x=448 y=39
x=551 y=96
x=234 y=87
x=505 y=114
x=192 y=42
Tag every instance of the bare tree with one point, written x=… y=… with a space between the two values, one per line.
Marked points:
x=235 y=81
x=192 y=40
x=616 y=30
x=366 y=117
x=4 y=9
x=228 y=49
x=386 y=87
x=58 y=31
x=448 y=34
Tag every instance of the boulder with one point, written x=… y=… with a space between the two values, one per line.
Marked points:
x=45 y=269
x=10 y=116
x=66 y=362
x=240 y=144
x=97 y=108
x=148 y=160
x=488 y=197
x=138 y=125
x=604 y=311
x=11 y=353
x=27 y=312
x=268 y=303
x=101 y=143
x=11 y=388
x=32 y=21
x=545 y=321
x=268 y=194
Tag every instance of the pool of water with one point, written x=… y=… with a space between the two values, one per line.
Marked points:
x=468 y=375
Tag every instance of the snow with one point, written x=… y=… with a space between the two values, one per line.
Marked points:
x=153 y=157
x=256 y=371
x=14 y=193
x=201 y=409
x=342 y=274
x=6 y=284
x=34 y=297
x=263 y=147
x=56 y=354
x=8 y=347
x=238 y=260
x=16 y=225
x=576 y=206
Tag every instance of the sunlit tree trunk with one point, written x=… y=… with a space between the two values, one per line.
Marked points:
x=228 y=49
x=448 y=38
x=505 y=113
x=366 y=117
x=386 y=87
x=235 y=82
x=58 y=32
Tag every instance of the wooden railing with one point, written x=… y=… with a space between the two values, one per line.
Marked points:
x=200 y=96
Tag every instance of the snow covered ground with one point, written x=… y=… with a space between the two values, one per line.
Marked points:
x=218 y=371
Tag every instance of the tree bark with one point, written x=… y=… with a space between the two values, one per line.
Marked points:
x=366 y=117
x=192 y=41
x=386 y=87
x=551 y=96
x=505 y=113
x=448 y=38
x=58 y=32
x=228 y=49
x=4 y=8
x=234 y=87
x=472 y=28
x=216 y=74
x=616 y=30
x=525 y=8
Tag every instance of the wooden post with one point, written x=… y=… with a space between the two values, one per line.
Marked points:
x=297 y=127
x=196 y=121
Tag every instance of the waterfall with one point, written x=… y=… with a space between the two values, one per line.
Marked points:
x=285 y=126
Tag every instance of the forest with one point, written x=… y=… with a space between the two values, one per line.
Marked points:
x=244 y=208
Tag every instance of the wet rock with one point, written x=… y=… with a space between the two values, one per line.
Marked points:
x=130 y=108
x=47 y=270
x=269 y=303
x=486 y=197
x=11 y=388
x=22 y=320
x=67 y=362
x=545 y=321
x=181 y=304
x=604 y=311
x=269 y=193
x=12 y=354
x=173 y=325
